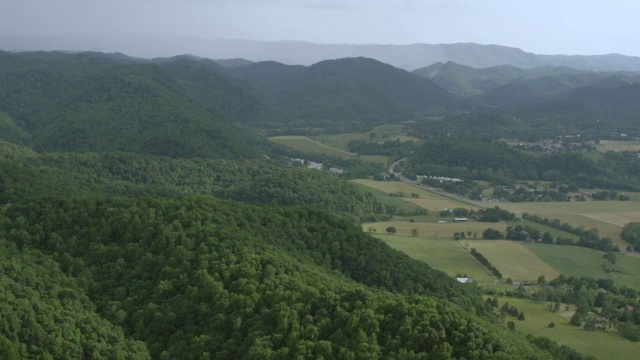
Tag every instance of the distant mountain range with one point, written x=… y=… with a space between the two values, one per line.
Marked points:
x=408 y=57
x=506 y=85
x=186 y=106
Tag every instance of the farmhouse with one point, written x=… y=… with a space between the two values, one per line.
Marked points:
x=463 y=280
x=460 y=219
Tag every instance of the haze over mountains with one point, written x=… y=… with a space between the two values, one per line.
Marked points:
x=408 y=57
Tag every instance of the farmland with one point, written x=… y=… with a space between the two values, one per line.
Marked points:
x=441 y=254
x=599 y=344
x=611 y=145
x=425 y=199
x=337 y=144
x=389 y=132
x=304 y=144
x=513 y=260
x=577 y=261
x=607 y=216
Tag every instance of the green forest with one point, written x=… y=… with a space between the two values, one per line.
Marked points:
x=145 y=215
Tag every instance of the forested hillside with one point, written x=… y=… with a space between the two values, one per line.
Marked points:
x=144 y=214
x=496 y=162
x=92 y=102
x=347 y=94
x=466 y=80
x=25 y=174
x=197 y=277
x=508 y=86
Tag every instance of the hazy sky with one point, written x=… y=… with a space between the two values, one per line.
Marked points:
x=545 y=27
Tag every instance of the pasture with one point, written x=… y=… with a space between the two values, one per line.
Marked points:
x=304 y=144
x=433 y=230
x=426 y=199
x=384 y=198
x=607 y=216
x=444 y=255
x=307 y=145
x=602 y=345
x=611 y=145
x=379 y=134
x=578 y=261
x=513 y=259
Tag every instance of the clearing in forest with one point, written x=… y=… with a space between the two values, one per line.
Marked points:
x=512 y=258
x=441 y=254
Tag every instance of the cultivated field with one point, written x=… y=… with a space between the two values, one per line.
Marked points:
x=442 y=254
x=578 y=261
x=389 y=132
x=425 y=199
x=513 y=259
x=607 y=216
x=602 y=345
x=610 y=145
x=307 y=145
x=304 y=144
x=433 y=230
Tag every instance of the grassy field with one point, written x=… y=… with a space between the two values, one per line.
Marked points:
x=425 y=199
x=445 y=255
x=307 y=145
x=388 y=132
x=610 y=145
x=386 y=199
x=607 y=216
x=602 y=345
x=578 y=261
x=513 y=259
x=433 y=230
x=304 y=144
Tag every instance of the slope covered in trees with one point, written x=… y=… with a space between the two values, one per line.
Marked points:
x=47 y=315
x=27 y=174
x=93 y=102
x=347 y=94
x=494 y=161
x=466 y=80
x=198 y=277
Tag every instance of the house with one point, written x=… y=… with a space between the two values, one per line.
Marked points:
x=460 y=219
x=463 y=280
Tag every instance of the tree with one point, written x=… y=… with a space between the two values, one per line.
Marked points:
x=551 y=325
x=414 y=232
x=492 y=234
x=542 y=280
x=521 y=316
x=511 y=325
x=391 y=230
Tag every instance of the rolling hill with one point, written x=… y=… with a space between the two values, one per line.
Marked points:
x=350 y=93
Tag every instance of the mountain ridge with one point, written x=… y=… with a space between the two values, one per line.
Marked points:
x=408 y=57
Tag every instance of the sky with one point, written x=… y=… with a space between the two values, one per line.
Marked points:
x=584 y=27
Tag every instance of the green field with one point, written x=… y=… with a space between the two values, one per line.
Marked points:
x=433 y=230
x=513 y=259
x=337 y=144
x=602 y=345
x=578 y=261
x=607 y=216
x=304 y=144
x=610 y=145
x=388 y=132
x=426 y=199
x=384 y=198
x=445 y=255
x=307 y=145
